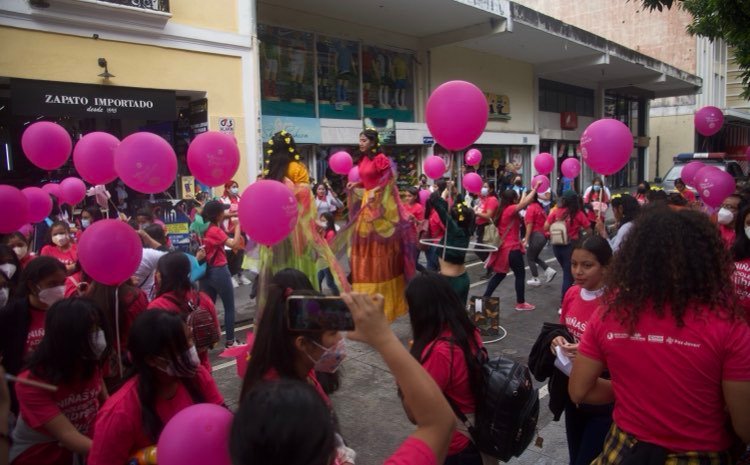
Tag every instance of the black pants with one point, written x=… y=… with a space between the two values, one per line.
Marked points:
x=480 y=240
x=537 y=241
x=515 y=259
x=586 y=430
x=234 y=261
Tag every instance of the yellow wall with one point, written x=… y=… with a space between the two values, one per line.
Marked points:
x=74 y=59
x=490 y=73
x=209 y=14
x=676 y=134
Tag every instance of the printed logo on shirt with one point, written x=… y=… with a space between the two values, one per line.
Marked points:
x=637 y=337
x=656 y=338
x=611 y=336
x=575 y=326
x=80 y=409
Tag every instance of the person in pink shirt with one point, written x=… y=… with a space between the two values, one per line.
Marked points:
x=726 y=217
x=287 y=422
x=486 y=213
x=167 y=377
x=327 y=225
x=535 y=241
x=61 y=246
x=675 y=344
x=741 y=256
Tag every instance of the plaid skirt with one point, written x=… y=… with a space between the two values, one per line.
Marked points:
x=618 y=444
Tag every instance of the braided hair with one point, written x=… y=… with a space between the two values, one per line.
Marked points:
x=281 y=151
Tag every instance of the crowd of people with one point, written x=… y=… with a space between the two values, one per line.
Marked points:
x=653 y=317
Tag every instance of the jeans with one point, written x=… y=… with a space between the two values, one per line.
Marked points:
x=515 y=259
x=537 y=241
x=585 y=432
x=563 y=253
x=468 y=456
x=480 y=240
x=432 y=259
x=219 y=281
x=330 y=282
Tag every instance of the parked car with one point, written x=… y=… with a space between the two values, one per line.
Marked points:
x=736 y=165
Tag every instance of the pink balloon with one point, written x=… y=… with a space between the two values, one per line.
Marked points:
x=456 y=114
x=340 y=162
x=16 y=209
x=689 y=171
x=606 y=145
x=714 y=185
x=47 y=145
x=424 y=194
x=146 y=163
x=354 y=175
x=544 y=163
x=110 y=251
x=213 y=158
x=571 y=168
x=708 y=120
x=197 y=435
x=434 y=167
x=268 y=211
x=473 y=157
x=543 y=183
x=40 y=204
x=52 y=189
x=472 y=182
x=72 y=191
x=26 y=229
x=94 y=157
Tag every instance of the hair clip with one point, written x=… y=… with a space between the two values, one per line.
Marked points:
x=269 y=151
x=270 y=142
x=296 y=156
x=265 y=172
x=288 y=140
x=460 y=217
x=291 y=149
x=283 y=133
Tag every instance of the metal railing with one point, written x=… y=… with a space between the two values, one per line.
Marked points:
x=155 y=5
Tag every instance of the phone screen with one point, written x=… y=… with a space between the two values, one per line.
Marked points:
x=308 y=313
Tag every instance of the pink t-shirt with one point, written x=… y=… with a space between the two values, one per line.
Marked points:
x=486 y=205
x=214 y=240
x=414 y=210
x=436 y=227
x=78 y=402
x=573 y=225
x=741 y=279
x=119 y=429
x=727 y=234
x=667 y=379
x=535 y=217
x=375 y=172
x=67 y=257
x=413 y=451
x=36 y=330
x=499 y=261
x=576 y=311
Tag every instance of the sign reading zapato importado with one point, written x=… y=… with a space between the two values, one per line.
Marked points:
x=50 y=98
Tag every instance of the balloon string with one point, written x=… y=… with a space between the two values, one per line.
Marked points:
x=117 y=329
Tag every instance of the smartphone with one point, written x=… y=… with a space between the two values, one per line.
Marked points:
x=315 y=313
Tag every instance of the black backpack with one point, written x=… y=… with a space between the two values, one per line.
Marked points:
x=507 y=409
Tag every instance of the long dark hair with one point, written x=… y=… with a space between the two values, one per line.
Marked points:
x=441 y=184
x=572 y=203
x=741 y=246
x=674 y=262
x=64 y=355
x=158 y=333
x=282 y=422
x=7 y=255
x=597 y=246
x=507 y=199
x=95 y=212
x=36 y=270
x=372 y=135
x=281 y=150
x=330 y=222
x=435 y=307
x=464 y=217
x=103 y=297
x=174 y=269
x=630 y=207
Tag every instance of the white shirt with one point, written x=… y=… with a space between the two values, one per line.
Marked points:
x=622 y=233
x=146 y=271
x=329 y=205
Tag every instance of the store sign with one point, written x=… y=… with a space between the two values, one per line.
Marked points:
x=198 y=116
x=499 y=106
x=50 y=98
x=226 y=125
x=304 y=130
x=428 y=140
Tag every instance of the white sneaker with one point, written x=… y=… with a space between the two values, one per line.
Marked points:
x=235 y=284
x=243 y=280
x=559 y=311
x=534 y=282
x=549 y=275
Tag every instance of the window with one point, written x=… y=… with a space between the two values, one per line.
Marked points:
x=557 y=97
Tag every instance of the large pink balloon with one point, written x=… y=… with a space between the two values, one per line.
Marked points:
x=473 y=157
x=456 y=114
x=146 y=163
x=47 y=145
x=606 y=145
x=197 y=435
x=267 y=211
x=213 y=158
x=40 y=204
x=570 y=168
x=708 y=120
x=72 y=191
x=94 y=157
x=472 y=182
x=544 y=163
x=543 y=182
x=689 y=171
x=15 y=208
x=110 y=251
x=354 y=175
x=434 y=167
x=340 y=162
x=714 y=185
x=52 y=189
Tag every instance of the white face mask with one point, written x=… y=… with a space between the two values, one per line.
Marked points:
x=51 y=295
x=21 y=251
x=60 y=240
x=98 y=343
x=725 y=216
x=234 y=190
x=8 y=270
x=85 y=223
x=485 y=192
x=186 y=371
x=747 y=232
x=4 y=293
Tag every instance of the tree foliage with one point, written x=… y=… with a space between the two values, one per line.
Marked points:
x=718 y=19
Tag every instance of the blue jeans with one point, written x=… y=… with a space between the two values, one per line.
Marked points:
x=563 y=254
x=433 y=264
x=219 y=281
x=330 y=282
x=585 y=431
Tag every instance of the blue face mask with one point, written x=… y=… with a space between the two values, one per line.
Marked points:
x=597 y=188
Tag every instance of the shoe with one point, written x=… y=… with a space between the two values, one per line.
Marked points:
x=534 y=282
x=559 y=311
x=235 y=284
x=230 y=344
x=488 y=274
x=549 y=275
x=524 y=307
x=243 y=280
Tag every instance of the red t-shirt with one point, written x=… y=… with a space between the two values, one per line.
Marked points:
x=509 y=230
x=576 y=311
x=667 y=379
x=436 y=228
x=486 y=205
x=688 y=195
x=413 y=451
x=741 y=279
x=447 y=366
x=214 y=240
x=26 y=259
x=78 y=402
x=415 y=209
x=67 y=257
x=36 y=330
x=535 y=217
x=375 y=172
x=728 y=235
x=573 y=225
x=72 y=284
x=119 y=429
x=330 y=236
x=171 y=302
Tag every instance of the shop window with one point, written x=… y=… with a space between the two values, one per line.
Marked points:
x=338 y=78
x=155 y=5
x=557 y=97
x=387 y=84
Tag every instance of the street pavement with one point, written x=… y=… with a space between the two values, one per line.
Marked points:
x=369 y=411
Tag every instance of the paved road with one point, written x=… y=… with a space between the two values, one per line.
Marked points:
x=370 y=413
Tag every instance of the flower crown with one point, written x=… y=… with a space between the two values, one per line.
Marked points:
x=287 y=139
